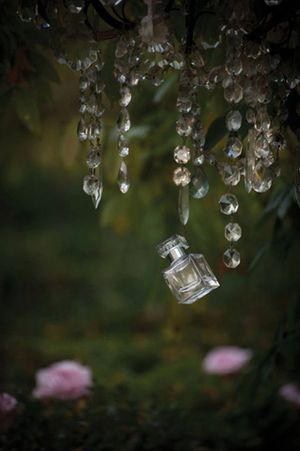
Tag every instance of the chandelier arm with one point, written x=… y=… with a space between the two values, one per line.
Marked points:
x=108 y=18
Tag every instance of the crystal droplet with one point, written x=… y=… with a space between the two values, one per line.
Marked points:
x=233 y=231
x=182 y=154
x=228 y=204
x=231 y=258
x=182 y=176
x=297 y=187
x=123 y=180
x=124 y=121
x=125 y=96
x=262 y=178
x=90 y=184
x=199 y=184
x=82 y=130
x=233 y=120
x=93 y=159
x=199 y=157
x=123 y=147
x=233 y=147
x=97 y=195
x=183 y=204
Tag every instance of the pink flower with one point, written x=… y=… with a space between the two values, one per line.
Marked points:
x=7 y=403
x=63 y=380
x=226 y=360
x=290 y=392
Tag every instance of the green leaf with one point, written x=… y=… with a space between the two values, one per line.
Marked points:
x=215 y=133
x=27 y=109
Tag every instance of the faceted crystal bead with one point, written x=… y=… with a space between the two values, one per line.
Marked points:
x=124 y=121
x=231 y=258
x=184 y=126
x=199 y=184
x=123 y=147
x=233 y=231
x=182 y=154
x=90 y=184
x=261 y=178
x=82 y=130
x=84 y=83
x=228 y=204
x=184 y=104
x=182 y=176
x=234 y=147
x=230 y=174
x=234 y=66
x=121 y=48
x=233 y=120
x=93 y=159
x=233 y=93
x=123 y=180
x=125 y=96
x=183 y=204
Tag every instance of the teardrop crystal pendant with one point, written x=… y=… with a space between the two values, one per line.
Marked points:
x=183 y=204
x=199 y=184
x=123 y=179
x=97 y=195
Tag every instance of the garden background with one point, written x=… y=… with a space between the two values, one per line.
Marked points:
x=85 y=285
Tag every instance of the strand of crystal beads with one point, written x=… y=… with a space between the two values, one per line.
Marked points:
x=90 y=126
x=199 y=182
x=231 y=173
x=125 y=70
x=182 y=152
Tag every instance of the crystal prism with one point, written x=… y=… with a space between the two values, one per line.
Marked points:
x=124 y=121
x=228 y=204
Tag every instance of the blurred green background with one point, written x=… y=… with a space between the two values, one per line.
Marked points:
x=86 y=285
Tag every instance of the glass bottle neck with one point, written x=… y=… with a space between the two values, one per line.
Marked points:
x=176 y=253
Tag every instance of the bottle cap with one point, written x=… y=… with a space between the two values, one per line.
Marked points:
x=166 y=246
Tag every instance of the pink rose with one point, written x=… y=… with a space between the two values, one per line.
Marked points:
x=63 y=380
x=7 y=403
x=290 y=392
x=226 y=360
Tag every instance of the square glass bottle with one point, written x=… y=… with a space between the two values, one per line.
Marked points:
x=189 y=276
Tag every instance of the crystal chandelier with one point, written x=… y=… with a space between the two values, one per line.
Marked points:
x=251 y=52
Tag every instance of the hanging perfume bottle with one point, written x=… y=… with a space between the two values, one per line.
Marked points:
x=189 y=277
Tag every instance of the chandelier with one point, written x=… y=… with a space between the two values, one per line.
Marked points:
x=248 y=48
